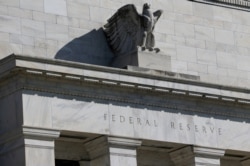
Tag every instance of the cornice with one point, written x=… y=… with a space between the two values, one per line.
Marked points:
x=238 y=4
x=79 y=72
x=22 y=69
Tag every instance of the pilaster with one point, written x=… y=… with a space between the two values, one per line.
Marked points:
x=39 y=146
x=111 y=151
x=28 y=146
x=197 y=156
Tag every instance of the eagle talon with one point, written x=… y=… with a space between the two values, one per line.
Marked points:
x=143 y=48
x=150 y=49
x=157 y=50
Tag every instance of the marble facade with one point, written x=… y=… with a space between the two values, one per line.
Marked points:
x=97 y=116
x=63 y=103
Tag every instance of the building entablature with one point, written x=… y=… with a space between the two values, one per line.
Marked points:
x=59 y=104
x=170 y=83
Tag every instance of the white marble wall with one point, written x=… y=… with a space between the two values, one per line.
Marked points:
x=210 y=41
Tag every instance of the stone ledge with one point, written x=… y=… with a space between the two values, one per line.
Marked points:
x=144 y=59
x=124 y=78
x=224 y=4
x=163 y=73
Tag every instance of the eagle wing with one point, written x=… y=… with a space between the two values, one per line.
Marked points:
x=124 y=29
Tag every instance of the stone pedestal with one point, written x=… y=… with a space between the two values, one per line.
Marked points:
x=144 y=59
x=197 y=156
x=112 y=151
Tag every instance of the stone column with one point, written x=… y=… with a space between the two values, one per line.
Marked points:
x=111 y=151
x=28 y=146
x=39 y=146
x=197 y=156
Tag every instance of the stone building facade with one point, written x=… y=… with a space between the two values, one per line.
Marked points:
x=62 y=104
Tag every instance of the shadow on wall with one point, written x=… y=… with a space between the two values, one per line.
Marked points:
x=91 y=48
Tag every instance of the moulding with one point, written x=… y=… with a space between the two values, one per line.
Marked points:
x=237 y=4
x=47 y=70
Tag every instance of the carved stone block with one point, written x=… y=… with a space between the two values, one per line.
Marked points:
x=144 y=59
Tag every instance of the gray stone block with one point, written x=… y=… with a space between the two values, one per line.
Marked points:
x=144 y=59
x=223 y=14
x=99 y=14
x=29 y=4
x=69 y=21
x=195 y=43
x=57 y=7
x=201 y=10
x=4 y=36
x=178 y=40
x=226 y=37
x=20 y=39
x=10 y=24
x=17 y=12
x=7 y=48
x=76 y=32
x=40 y=16
x=243 y=63
x=10 y=2
x=204 y=33
x=242 y=39
x=201 y=68
x=57 y=32
x=167 y=5
x=185 y=30
x=206 y=56
x=166 y=27
x=187 y=54
x=4 y=10
x=213 y=23
x=77 y=9
x=240 y=17
x=178 y=66
x=34 y=51
x=226 y=60
x=33 y=28
x=114 y=5
x=184 y=7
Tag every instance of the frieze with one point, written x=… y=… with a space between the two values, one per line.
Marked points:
x=131 y=120
x=195 y=128
x=171 y=125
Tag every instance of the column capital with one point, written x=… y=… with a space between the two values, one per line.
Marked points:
x=102 y=145
x=194 y=155
x=208 y=151
x=124 y=141
x=31 y=133
x=36 y=137
x=41 y=133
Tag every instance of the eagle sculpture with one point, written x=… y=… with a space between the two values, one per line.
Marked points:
x=127 y=29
